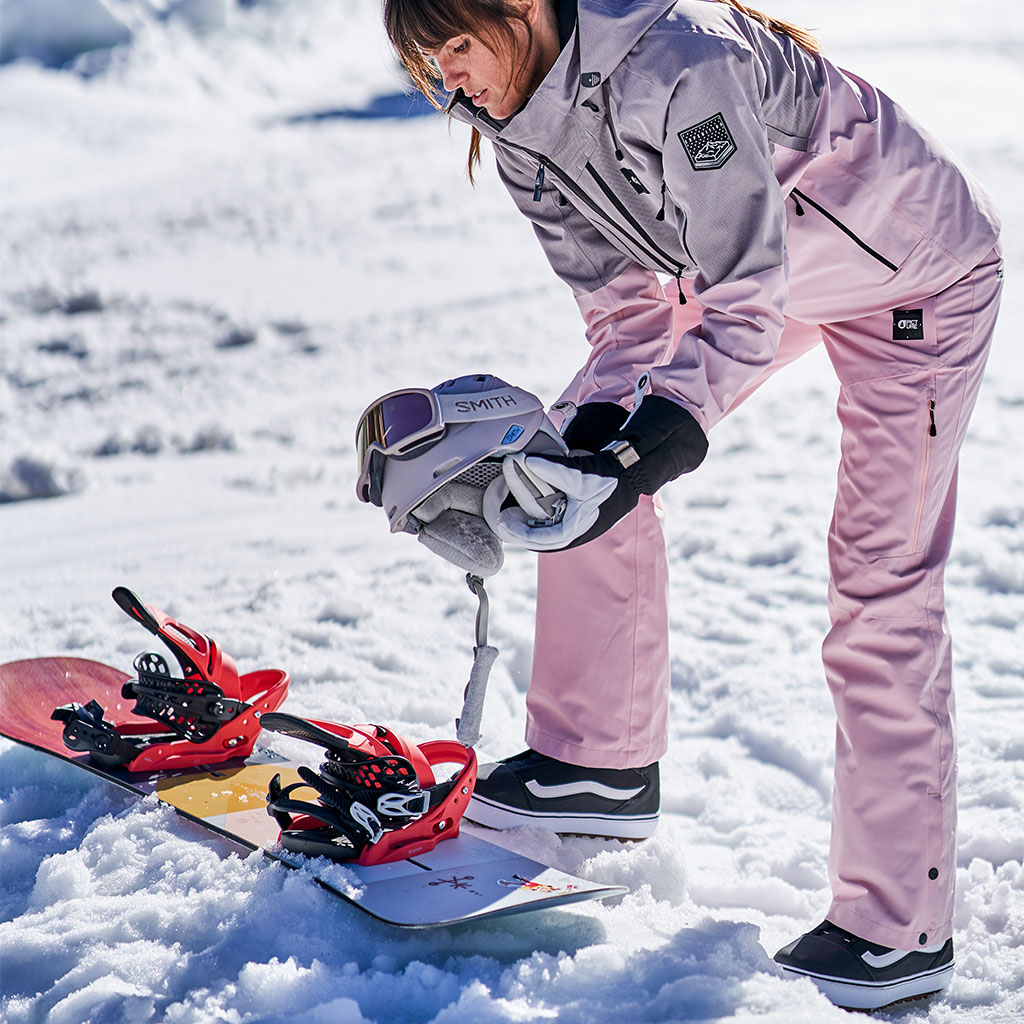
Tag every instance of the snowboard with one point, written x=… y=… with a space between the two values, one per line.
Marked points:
x=465 y=878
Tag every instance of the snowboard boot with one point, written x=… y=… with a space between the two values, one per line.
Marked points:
x=533 y=789
x=860 y=975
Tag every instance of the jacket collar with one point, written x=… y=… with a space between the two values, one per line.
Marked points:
x=600 y=34
x=609 y=29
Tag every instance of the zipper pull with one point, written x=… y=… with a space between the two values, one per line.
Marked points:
x=638 y=396
x=568 y=410
x=538 y=183
x=605 y=87
x=661 y=213
x=640 y=389
x=799 y=208
x=932 y=432
x=638 y=186
x=679 y=286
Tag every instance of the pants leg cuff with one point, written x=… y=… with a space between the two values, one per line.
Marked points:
x=594 y=757
x=886 y=934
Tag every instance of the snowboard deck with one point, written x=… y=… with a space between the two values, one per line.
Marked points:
x=464 y=878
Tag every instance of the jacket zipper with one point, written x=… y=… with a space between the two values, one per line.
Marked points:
x=538 y=183
x=672 y=265
x=649 y=247
x=842 y=227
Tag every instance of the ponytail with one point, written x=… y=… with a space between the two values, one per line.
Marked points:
x=799 y=35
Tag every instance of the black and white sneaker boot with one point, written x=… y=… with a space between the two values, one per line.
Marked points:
x=860 y=975
x=533 y=789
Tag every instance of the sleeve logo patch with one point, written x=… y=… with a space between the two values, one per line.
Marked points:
x=708 y=144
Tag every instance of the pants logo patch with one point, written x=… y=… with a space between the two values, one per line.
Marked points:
x=908 y=325
x=708 y=144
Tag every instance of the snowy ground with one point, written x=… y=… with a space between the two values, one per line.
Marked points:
x=215 y=252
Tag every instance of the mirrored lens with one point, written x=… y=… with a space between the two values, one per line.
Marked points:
x=393 y=420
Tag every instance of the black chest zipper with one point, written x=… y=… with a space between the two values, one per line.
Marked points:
x=798 y=195
x=673 y=268
x=648 y=246
x=651 y=249
x=635 y=183
x=623 y=212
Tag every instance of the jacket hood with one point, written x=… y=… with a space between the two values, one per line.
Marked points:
x=606 y=30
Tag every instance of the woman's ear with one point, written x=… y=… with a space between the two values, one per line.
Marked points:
x=543 y=20
x=532 y=9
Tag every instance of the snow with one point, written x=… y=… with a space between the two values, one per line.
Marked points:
x=220 y=242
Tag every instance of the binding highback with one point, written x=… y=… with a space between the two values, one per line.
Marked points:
x=208 y=715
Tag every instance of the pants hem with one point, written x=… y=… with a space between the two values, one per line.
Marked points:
x=884 y=934
x=592 y=757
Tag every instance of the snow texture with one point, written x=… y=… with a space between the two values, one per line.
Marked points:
x=226 y=229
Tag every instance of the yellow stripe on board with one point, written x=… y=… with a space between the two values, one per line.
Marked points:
x=234 y=799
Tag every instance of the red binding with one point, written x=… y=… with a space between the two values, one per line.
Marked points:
x=440 y=822
x=201 y=658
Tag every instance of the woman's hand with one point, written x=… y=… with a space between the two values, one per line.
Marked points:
x=562 y=501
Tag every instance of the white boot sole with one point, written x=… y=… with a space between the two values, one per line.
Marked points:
x=611 y=826
x=875 y=995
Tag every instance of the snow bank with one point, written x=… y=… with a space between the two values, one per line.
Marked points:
x=275 y=55
x=55 y=32
x=35 y=475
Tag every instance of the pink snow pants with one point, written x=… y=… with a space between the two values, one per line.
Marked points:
x=600 y=685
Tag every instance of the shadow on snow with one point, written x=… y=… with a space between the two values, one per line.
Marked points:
x=393 y=106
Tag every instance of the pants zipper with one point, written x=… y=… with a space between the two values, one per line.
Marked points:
x=922 y=491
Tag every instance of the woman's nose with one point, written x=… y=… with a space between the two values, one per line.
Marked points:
x=451 y=76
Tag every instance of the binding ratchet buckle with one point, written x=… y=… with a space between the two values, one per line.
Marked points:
x=206 y=716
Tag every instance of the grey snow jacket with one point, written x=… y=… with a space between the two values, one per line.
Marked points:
x=683 y=139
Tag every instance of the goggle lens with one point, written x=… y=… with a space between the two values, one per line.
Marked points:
x=392 y=422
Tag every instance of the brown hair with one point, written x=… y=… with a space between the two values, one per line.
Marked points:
x=428 y=24
x=785 y=28
x=412 y=24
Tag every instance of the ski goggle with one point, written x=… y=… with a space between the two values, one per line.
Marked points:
x=400 y=421
x=393 y=425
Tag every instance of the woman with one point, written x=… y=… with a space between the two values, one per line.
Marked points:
x=786 y=203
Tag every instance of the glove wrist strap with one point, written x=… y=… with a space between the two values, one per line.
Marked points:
x=624 y=452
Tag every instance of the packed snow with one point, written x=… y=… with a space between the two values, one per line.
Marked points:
x=226 y=229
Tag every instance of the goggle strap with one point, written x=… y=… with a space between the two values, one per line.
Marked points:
x=467 y=725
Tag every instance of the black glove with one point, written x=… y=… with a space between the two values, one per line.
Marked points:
x=660 y=442
x=594 y=425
